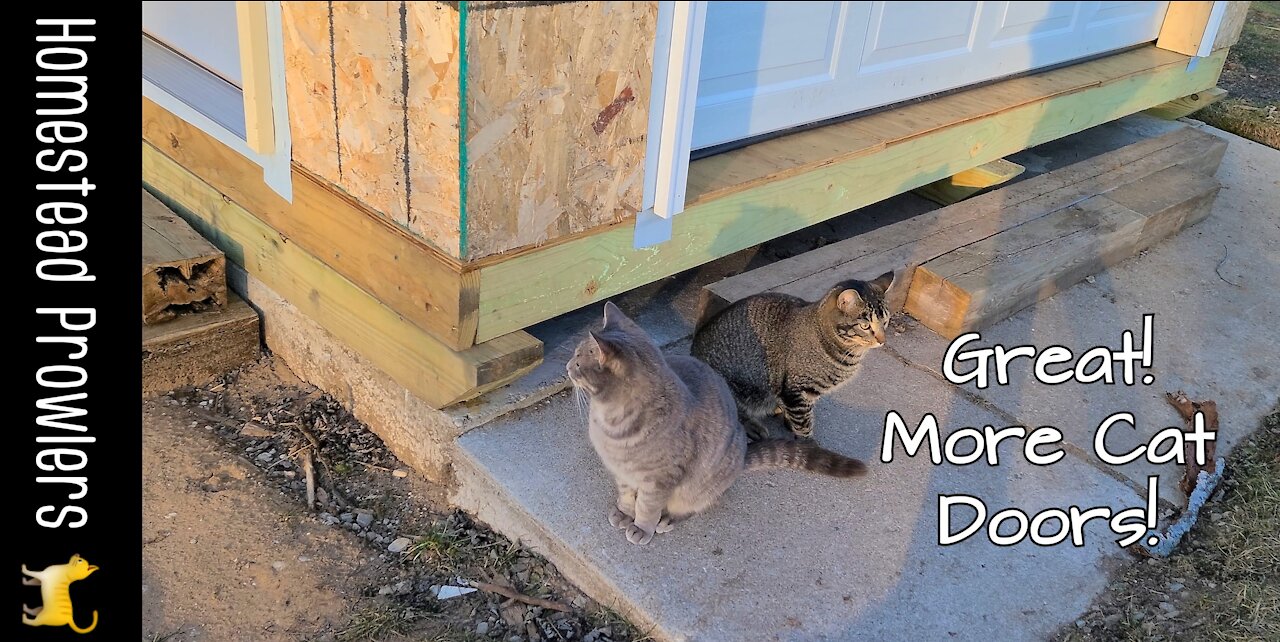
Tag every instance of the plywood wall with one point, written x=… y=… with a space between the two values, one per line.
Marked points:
x=374 y=107
x=557 y=108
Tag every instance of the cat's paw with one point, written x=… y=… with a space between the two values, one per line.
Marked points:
x=665 y=525
x=637 y=535
x=620 y=519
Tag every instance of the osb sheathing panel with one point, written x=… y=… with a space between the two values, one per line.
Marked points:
x=373 y=107
x=557 y=107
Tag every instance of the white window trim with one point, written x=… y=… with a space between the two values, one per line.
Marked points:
x=677 y=55
x=275 y=159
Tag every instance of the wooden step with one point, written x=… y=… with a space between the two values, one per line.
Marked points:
x=903 y=245
x=193 y=348
x=981 y=283
x=954 y=189
x=181 y=271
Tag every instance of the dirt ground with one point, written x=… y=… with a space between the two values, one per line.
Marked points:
x=231 y=552
x=1252 y=78
x=1223 y=581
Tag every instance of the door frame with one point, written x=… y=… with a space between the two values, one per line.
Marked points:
x=677 y=53
x=266 y=140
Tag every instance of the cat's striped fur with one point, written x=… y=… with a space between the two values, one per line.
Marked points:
x=666 y=427
x=778 y=351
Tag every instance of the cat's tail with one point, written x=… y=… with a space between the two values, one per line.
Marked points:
x=72 y=624
x=802 y=455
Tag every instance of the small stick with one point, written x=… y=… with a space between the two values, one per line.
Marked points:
x=368 y=465
x=309 y=472
x=520 y=597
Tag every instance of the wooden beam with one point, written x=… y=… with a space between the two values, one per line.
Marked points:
x=524 y=288
x=194 y=348
x=411 y=356
x=954 y=189
x=1232 y=24
x=255 y=74
x=181 y=271
x=905 y=244
x=981 y=283
x=1187 y=105
x=421 y=284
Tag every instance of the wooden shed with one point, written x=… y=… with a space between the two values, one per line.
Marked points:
x=425 y=180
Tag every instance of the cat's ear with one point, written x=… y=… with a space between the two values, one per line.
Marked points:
x=883 y=281
x=613 y=317
x=606 y=350
x=849 y=301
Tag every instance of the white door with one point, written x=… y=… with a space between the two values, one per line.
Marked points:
x=769 y=66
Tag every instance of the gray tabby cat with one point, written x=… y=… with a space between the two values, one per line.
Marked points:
x=778 y=351
x=667 y=429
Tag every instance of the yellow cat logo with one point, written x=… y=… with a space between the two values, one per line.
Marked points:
x=55 y=594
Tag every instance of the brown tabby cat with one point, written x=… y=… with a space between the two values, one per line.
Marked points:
x=667 y=429
x=780 y=351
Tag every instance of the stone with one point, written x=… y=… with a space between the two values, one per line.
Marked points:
x=399 y=544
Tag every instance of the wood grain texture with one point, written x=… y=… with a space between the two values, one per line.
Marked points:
x=1187 y=105
x=181 y=271
x=1184 y=26
x=557 y=112
x=954 y=189
x=419 y=283
x=906 y=244
x=1232 y=24
x=984 y=282
x=373 y=107
x=536 y=285
x=723 y=174
x=193 y=349
x=415 y=359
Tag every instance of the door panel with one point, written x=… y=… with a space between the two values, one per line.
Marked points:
x=773 y=65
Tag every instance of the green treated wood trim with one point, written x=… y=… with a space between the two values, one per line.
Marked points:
x=414 y=359
x=536 y=285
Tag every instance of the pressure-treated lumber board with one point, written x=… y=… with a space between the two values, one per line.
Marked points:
x=1232 y=23
x=194 y=348
x=181 y=271
x=770 y=160
x=410 y=356
x=398 y=269
x=1187 y=105
x=531 y=286
x=905 y=244
x=954 y=189
x=984 y=282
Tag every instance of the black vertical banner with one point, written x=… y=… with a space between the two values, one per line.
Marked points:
x=73 y=453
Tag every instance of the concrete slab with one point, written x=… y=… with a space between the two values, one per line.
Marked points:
x=790 y=556
x=1216 y=336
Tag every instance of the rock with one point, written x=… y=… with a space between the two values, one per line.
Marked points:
x=328 y=518
x=1167 y=607
x=347 y=518
x=482 y=628
x=364 y=518
x=400 y=472
x=322 y=496
x=1080 y=624
x=580 y=602
x=1112 y=620
x=1176 y=587
x=278 y=566
x=399 y=544
x=255 y=430
x=265 y=456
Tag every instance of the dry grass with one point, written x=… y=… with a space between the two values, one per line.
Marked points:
x=1252 y=76
x=1224 y=582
